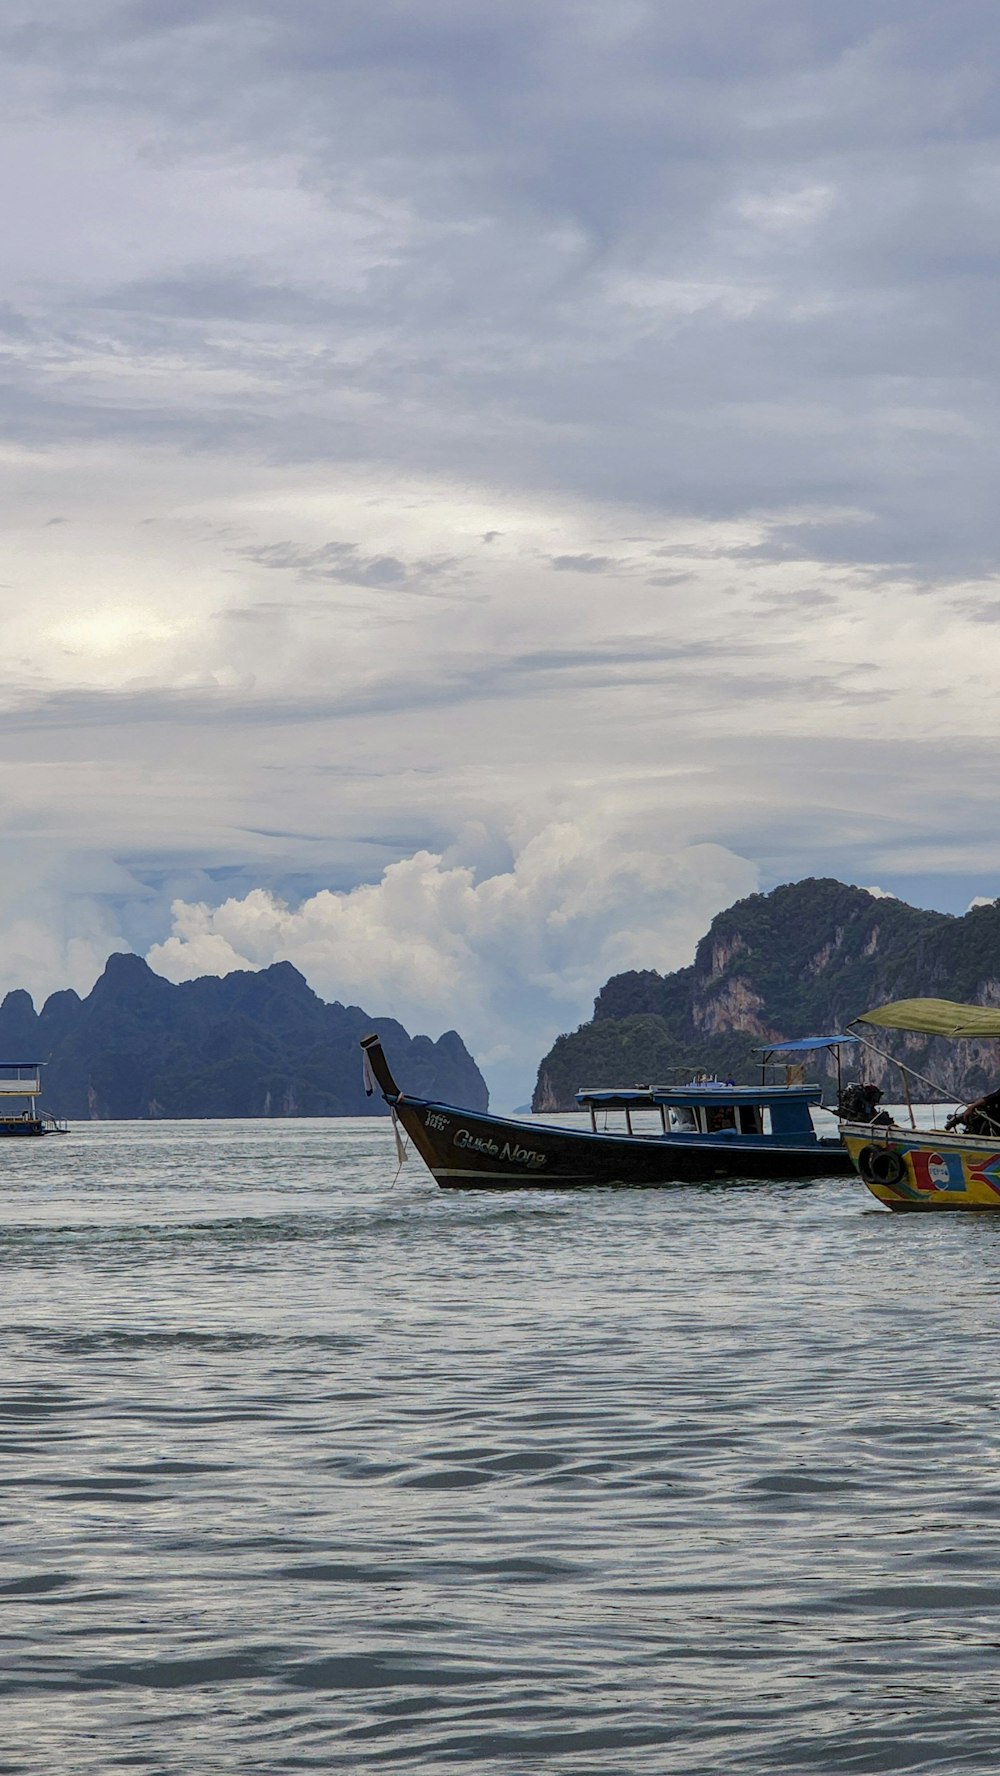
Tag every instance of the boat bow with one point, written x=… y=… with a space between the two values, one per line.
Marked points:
x=378 y=1071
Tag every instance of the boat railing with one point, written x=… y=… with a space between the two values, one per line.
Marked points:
x=20 y=1080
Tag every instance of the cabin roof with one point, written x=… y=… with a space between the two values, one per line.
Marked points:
x=712 y=1092
x=616 y=1100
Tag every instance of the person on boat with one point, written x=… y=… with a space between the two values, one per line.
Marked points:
x=980 y=1118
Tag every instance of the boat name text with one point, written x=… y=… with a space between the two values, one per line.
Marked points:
x=509 y=1151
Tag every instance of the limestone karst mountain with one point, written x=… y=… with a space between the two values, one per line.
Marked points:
x=805 y=958
x=245 y=1044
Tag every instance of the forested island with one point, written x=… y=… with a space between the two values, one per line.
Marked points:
x=245 y=1044
x=801 y=960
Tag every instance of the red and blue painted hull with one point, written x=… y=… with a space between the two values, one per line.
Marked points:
x=925 y=1169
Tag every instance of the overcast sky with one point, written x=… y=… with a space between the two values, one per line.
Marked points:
x=485 y=486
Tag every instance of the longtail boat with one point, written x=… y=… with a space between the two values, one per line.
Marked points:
x=704 y=1132
x=956 y=1166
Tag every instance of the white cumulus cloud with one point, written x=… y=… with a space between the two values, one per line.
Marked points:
x=509 y=959
x=58 y=922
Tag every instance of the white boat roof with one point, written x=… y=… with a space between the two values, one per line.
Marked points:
x=712 y=1091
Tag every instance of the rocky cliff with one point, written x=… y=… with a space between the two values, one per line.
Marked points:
x=246 y=1044
x=804 y=959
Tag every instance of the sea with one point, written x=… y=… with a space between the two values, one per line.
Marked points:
x=308 y=1466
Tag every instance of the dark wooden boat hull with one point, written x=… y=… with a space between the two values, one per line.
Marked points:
x=473 y=1151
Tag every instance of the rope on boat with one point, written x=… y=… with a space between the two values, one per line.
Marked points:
x=401 y=1143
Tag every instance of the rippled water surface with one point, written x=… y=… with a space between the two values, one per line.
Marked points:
x=304 y=1472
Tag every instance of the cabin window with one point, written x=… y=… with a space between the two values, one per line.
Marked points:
x=646 y=1120
x=683 y=1120
x=749 y=1119
x=721 y=1116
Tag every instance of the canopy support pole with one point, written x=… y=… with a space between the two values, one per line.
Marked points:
x=912 y=1071
x=909 y=1101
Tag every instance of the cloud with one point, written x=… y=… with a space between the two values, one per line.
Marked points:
x=510 y=958
x=619 y=263
x=590 y=564
x=346 y=564
x=511 y=413
x=58 y=918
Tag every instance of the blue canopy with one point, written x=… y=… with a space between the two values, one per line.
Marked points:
x=802 y=1043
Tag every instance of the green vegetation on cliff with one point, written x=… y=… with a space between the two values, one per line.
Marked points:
x=804 y=959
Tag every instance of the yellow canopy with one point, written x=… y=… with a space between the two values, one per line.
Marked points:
x=935 y=1017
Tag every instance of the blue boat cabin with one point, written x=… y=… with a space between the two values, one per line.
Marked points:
x=710 y=1110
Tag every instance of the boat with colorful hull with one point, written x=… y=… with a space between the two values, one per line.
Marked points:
x=954 y=1167
x=912 y=1169
x=706 y=1132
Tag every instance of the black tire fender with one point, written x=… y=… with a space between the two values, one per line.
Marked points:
x=881 y=1165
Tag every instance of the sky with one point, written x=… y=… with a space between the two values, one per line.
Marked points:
x=484 y=487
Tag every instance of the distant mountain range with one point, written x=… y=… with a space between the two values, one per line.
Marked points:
x=799 y=961
x=246 y=1044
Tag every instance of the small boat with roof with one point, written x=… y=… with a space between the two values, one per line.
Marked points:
x=953 y=1166
x=704 y=1131
x=21 y=1084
